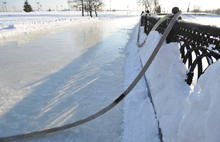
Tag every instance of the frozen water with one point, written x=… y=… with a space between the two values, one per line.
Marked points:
x=48 y=79
x=62 y=75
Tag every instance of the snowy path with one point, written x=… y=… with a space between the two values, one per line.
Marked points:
x=58 y=76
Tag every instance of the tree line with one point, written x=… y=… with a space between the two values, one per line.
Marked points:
x=95 y=5
x=152 y=5
x=86 y=5
x=197 y=9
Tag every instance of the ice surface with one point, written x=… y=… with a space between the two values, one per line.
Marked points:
x=48 y=79
x=59 y=78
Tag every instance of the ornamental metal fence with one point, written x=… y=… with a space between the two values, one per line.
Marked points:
x=199 y=44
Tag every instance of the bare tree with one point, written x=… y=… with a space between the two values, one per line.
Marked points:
x=86 y=5
x=196 y=9
x=157 y=9
x=151 y=5
x=74 y=4
x=82 y=8
x=156 y=5
x=217 y=11
x=97 y=5
x=90 y=8
x=146 y=3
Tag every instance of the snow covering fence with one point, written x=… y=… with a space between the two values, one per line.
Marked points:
x=199 y=44
x=111 y=105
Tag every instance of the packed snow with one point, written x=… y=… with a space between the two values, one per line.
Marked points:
x=201 y=121
x=166 y=78
x=185 y=113
x=139 y=118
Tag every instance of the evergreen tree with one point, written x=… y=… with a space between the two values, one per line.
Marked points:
x=27 y=7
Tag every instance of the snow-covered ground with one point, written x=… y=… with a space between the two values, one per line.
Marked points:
x=185 y=113
x=213 y=20
x=14 y=23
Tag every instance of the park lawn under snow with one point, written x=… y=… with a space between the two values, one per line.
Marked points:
x=185 y=113
x=14 y=23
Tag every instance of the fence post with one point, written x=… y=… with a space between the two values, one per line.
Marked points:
x=172 y=37
x=147 y=23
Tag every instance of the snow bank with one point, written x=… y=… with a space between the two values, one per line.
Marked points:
x=201 y=122
x=140 y=124
x=14 y=23
x=166 y=78
x=184 y=113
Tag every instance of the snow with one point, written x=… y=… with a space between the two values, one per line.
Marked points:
x=201 y=122
x=56 y=77
x=213 y=20
x=14 y=23
x=185 y=113
x=139 y=118
x=166 y=78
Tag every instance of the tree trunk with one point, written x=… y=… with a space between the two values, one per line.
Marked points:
x=90 y=8
x=82 y=9
x=96 y=11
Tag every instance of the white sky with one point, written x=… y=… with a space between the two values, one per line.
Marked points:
x=183 y=4
x=115 y=4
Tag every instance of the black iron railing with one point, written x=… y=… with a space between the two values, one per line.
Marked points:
x=199 y=44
